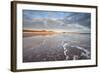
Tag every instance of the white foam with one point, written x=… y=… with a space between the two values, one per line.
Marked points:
x=84 y=53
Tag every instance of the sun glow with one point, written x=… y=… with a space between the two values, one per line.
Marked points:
x=57 y=30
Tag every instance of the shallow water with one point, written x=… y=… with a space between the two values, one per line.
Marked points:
x=50 y=47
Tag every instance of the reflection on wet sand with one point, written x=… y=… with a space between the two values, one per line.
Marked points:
x=52 y=47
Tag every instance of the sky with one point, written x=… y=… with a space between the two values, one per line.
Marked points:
x=57 y=21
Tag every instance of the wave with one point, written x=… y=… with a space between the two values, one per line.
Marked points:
x=75 y=52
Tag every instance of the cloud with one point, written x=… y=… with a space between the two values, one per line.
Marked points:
x=69 y=21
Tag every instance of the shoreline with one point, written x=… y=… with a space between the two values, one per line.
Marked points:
x=28 y=34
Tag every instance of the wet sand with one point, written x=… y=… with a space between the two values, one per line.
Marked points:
x=49 y=47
